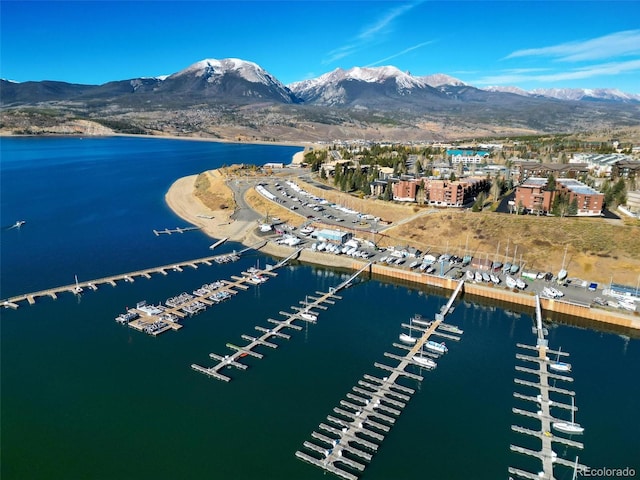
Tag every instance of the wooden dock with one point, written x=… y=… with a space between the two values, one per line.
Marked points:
x=348 y=442
x=542 y=404
x=307 y=314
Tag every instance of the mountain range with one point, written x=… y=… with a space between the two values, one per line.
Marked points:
x=383 y=91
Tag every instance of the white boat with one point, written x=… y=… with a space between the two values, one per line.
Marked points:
x=520 y=284
x=495 y=279
x=424 y=361
x=572 y=428
x=308 y=316
x=408 y=339
x=436 y=347
x=559 y=366
x=77 y=289
x=510 y=281
x=478 y=277
x=404 y=338
x=486 y=277
x=470 y=275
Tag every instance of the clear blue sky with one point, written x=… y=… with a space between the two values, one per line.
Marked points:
x=563 y=44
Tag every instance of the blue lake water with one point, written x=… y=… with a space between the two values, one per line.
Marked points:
x=84 y=397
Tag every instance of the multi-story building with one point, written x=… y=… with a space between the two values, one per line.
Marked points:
x=534 y=196
x=543 y=170
x=467 y=156
x=626 y=169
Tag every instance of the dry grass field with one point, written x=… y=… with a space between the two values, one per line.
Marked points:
x=211 y=190
x=597 y=249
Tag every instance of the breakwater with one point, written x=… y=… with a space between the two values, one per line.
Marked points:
x=498 y=293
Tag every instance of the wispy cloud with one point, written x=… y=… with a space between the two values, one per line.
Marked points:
x=617 y=44
x=511 y=77
x=399 y=54
x=370 y=33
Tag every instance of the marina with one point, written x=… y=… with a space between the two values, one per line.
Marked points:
x=346 y=444
x=548 y=423
x=78 y=287
x=157 y=319
x=305 y=313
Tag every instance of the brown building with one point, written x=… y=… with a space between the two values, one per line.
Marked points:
x=405 y=190
x=626 y=169
x=533 y=196
x=543 y=170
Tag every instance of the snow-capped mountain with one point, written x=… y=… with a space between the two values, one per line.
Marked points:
x=228 y=78
x=440 y=79
x=233 y=81
x=572 y=94
x=363 y=86
x=514 y=90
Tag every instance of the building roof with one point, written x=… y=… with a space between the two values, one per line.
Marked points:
x=577 y=187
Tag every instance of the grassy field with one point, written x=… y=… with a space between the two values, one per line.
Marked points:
x=211 y=190
x=596 y=248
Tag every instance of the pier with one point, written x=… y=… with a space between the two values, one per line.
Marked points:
x=14 y=302
x=542 y=404
x=346 y=443
x=308 y=313
x=168 y=231
x=157 y=319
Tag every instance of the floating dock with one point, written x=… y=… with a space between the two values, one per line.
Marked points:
x=347 y=443
x=307 y=314
x=14 y=302
x=168 y=231
x=157 y=319
x=542 y=406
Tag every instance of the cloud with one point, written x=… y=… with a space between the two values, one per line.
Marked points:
x=617 y=44
x=510 y=77
x=395 y=55
x=370 y=33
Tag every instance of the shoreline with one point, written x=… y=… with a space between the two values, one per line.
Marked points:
x=183 y=203
x=301 y=144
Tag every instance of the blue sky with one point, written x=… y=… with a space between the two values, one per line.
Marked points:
x=560 y=44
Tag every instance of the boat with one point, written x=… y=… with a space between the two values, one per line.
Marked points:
x=18 y=224
x=408 y=339
x=478 y=277
x=469 y=275
x=436 y=347
x=572 y=428
x=77 y=289
x=562 y=274
x=424 y=361
x=486 y=277
x=559 y=366
x=511 y=283
x=495 y=279
x=514 y=269
x=308 y=316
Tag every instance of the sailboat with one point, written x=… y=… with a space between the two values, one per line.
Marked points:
x=572 y=428
x=424 y=361
x=559 y=366
x=404 y=338
x=562 y=274
x=306 y=314
x=77 y=289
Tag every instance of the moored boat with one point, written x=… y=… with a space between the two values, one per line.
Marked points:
x=436 y=347
x=424 y=361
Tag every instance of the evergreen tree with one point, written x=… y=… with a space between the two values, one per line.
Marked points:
x=551 y=183
x=573 y=207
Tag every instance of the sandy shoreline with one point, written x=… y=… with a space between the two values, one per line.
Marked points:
x=183 y=202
